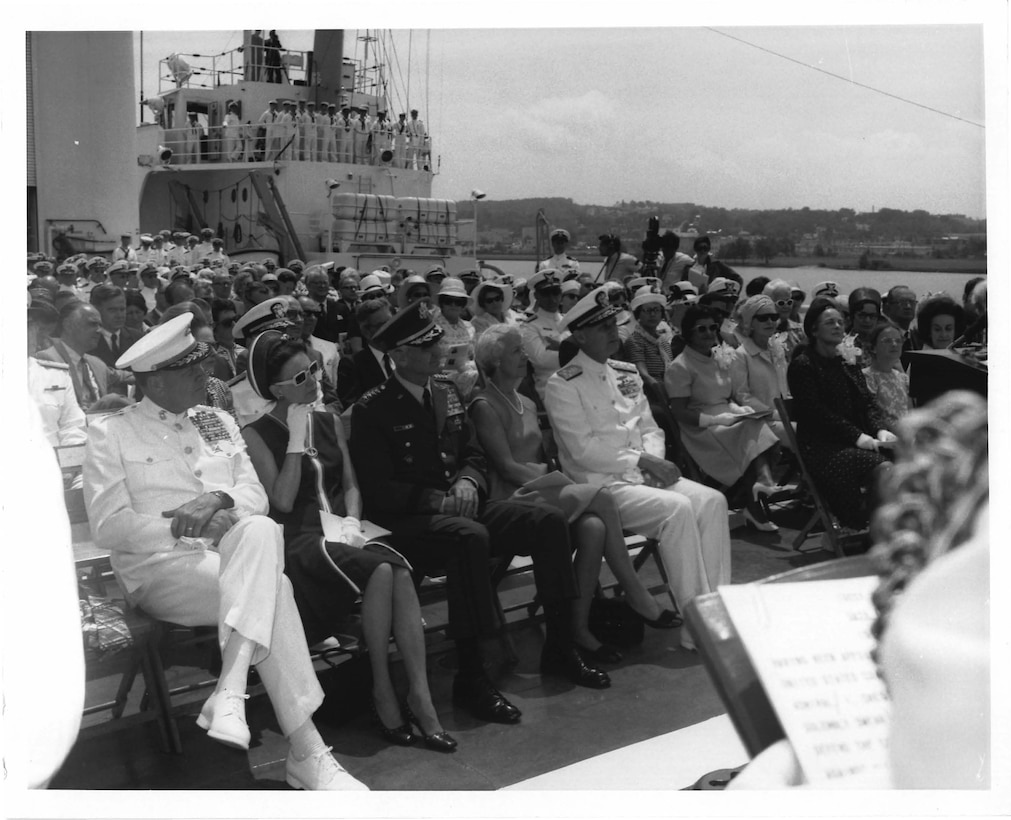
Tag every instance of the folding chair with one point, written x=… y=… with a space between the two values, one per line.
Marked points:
x=833 y=530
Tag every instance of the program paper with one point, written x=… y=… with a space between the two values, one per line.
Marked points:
x=810 y=644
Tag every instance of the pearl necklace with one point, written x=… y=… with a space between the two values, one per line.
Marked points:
x=517 y=410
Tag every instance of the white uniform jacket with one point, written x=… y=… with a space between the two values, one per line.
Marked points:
x=562 y=262
x=601 y=421
x=535 y=331
x=143 y=461
x=50 y=385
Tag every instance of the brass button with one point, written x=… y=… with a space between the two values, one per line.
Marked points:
x=198 y=473
x=188 y=450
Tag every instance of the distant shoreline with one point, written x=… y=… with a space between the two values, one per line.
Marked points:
x=921 y=264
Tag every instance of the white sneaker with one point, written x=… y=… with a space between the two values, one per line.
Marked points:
x=320 y=772
x=224 y=718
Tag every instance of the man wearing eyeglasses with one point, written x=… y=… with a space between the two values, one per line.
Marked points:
x=304 y=313
x=541 y=330
x=900 y=306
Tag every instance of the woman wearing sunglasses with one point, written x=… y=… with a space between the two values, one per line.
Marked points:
x=490 y=303
x=789 y=330
x=760 y=363
x=459 y=334
x=705 y=398
x=301 y=458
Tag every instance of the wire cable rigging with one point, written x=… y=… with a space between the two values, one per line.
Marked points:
x=846 y=79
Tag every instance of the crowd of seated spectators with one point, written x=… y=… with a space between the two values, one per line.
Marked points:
x=349 y=401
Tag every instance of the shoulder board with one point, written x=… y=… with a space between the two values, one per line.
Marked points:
x=618 y=365
x=570 y=257
x=570 y=371
x=527 y=317
x=54 y=365
x=442 y=379
x=371 y=394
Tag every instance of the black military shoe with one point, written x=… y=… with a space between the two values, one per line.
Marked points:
x=476 y=694
x=566 y=662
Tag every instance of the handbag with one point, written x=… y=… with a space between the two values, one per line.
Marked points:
x=613 y=621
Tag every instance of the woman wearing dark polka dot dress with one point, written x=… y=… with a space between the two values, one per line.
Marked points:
x=839 y=424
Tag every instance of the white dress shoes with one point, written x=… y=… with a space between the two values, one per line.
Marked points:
x=320 y=772
x=224 y=718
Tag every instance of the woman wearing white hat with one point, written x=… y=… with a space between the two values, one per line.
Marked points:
x=459 y=337
x=490 y=303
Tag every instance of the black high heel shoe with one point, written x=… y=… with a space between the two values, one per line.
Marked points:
x=400 y=736
x=440 y=741
x=667 y=619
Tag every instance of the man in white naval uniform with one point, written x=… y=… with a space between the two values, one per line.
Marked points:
x=607 y=437
x=174 y=497
x=50 y=385
x=417 y=132
x=560 y=260
x=272 y=131
x=329 y=151
x=345 y=135
x=541 y=330
x=305 y=122
x=360 y=125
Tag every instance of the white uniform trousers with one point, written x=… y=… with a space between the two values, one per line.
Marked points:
x=689 y=522
x=243 y=587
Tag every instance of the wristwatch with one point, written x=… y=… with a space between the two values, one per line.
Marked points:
x=227 y=502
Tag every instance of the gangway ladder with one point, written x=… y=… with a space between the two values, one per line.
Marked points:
x=186 y=202
x=275 y=215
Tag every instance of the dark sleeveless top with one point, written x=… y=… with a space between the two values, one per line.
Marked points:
x=322 y=473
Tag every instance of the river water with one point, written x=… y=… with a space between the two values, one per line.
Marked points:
x=922 y=283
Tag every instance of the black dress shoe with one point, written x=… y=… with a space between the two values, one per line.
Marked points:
x=605 y=653
x=401 y=736
x=439 y=741
x=477 y=694
x=567 y=662
x=668 y=619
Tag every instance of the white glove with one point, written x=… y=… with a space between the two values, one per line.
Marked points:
x=719 y=420
x=351 y=530
x=738 y=410
x=298 y=423
x=865 y=442
x=887 y=435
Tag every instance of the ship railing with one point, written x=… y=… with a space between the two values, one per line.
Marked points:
x=247 y=142
x=182 y=70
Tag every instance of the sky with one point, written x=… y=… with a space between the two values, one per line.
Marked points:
x=685 y=113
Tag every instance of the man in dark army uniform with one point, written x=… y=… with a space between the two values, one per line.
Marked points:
x=423 y=476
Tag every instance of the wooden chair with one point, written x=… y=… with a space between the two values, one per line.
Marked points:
x=834 y=532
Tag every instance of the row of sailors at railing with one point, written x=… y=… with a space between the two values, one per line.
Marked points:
x=311 y=133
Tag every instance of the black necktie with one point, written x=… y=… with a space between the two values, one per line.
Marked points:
x=90 y=395
x=114 y=346
x=389 y=371
x=426 y=400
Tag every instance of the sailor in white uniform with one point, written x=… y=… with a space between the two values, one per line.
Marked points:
x=329 y=151
x=345 y=135
x=541 y=330
x=560 y=260
x=272 y=132
x=607 y=437
x=360 y=126
x=417 y=132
